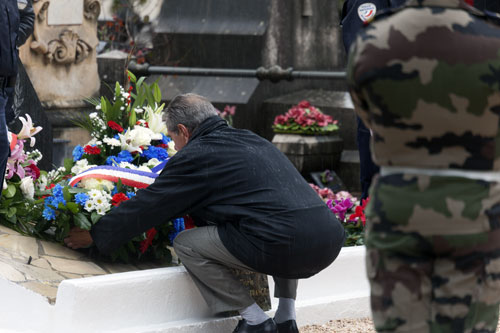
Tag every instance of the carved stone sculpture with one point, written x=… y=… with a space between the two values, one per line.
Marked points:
x=60 y=57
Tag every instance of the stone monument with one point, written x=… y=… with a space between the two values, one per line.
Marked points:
x=60 y=59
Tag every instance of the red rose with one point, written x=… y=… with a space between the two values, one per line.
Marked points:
x=33 y=171
x=150 y=235
x=304 y=104
x=188 y=222
x=115 y=126
x=118 y=198
x=91 y=150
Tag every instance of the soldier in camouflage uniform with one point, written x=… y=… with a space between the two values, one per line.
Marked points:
x=426 y=80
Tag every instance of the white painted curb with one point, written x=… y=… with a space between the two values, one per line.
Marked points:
x=165 y=300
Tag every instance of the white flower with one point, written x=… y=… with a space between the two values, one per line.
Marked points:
x=112 y=142
x=93 y=115
x=28 y=131
x=171 y=148
x=127 y=165
x=144 y=168
x=94 y=142
x=98 y=107
x=89 y=206
x=155 y=120
x=101 y=210
x=122 y=108
x=27 y=187
x=80 y=166
x=96 y=184
x=139 y=110
x=152 y=163
x=4 y=187
x=132 y=140
x=41 y=182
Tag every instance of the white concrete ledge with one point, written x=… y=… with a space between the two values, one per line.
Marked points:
x=166 y=300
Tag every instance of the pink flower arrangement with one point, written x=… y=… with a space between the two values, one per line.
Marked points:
x=304 y=118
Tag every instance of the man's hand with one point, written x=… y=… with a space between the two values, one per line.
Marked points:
x=78 y=238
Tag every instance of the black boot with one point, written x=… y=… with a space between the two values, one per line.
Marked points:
x=289 y=326
x=269 y=326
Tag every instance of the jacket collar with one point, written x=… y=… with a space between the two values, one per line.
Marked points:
x=208 y=126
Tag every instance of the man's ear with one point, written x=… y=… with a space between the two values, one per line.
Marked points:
x=184 y=131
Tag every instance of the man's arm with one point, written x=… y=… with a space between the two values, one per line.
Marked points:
x=180 y=188
x=27 y=21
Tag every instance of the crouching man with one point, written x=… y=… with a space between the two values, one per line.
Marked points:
x=253 y=211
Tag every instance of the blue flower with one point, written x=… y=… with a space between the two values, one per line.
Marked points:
x=165 y=139
x=111 y=160
x=49 y=214
x=77 y=153
x=115 y=190
x=125 y=156
x=81 y=198
x=155 y=152
x=178 y=227
x=130 y=194
x=58 y=191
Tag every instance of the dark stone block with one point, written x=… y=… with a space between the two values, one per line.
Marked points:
x=334 y=103
x=310 y=153
x=26 y=102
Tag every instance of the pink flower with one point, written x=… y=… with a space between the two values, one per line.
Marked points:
x=304 y=104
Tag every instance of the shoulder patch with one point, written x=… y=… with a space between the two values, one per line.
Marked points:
x=367 y=11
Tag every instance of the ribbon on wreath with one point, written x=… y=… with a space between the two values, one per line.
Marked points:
x=129 y=177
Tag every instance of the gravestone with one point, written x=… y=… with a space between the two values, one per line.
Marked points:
x=26 y=102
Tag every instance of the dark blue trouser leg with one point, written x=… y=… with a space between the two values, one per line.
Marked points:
x=367 y=168
x=4 y=141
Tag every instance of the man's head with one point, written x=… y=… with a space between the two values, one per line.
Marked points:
x=184 y=114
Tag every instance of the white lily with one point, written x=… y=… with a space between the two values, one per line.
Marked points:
x=132 y=140
x=155 y=119
x=28 y=131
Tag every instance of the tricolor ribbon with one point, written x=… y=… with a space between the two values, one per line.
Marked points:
x=129 y=177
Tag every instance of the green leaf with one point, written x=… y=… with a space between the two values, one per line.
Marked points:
x=156 y=93
x=94 y=217
x=139 y=83
x=103 y=104
x=132 y=119
x=66 y=194
x=73 y=207
x=11 y=212
x=118 y=90
x=68 y=164
x=10 y=191
x=82 y=221
x=133 y=78
x=119 y=185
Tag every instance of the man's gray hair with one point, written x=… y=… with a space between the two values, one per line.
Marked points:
x=190 y=110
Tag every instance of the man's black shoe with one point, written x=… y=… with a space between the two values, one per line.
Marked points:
x=289 y=326
x=269 y=326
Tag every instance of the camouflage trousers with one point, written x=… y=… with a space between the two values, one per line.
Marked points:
x=433 y=254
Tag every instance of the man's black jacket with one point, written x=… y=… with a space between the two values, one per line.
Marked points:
x=267 y=215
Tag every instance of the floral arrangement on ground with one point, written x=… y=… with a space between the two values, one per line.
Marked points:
x=348 y=210
x=305 y=119
x=129 y=147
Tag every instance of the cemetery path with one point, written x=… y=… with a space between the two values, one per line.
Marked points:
x=362 y=325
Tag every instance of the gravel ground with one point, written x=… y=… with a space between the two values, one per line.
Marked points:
x=363 y=325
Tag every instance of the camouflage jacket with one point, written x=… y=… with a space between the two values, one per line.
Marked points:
x=426 y=79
